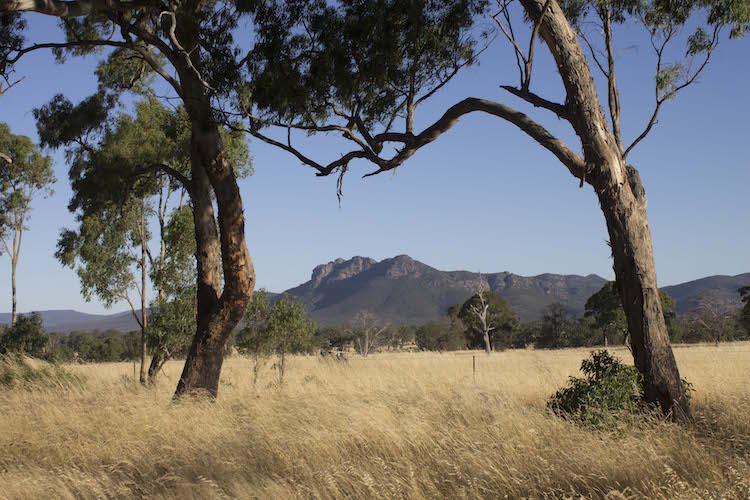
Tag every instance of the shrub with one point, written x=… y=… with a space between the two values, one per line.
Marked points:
x=18 y=371
x=607 y=388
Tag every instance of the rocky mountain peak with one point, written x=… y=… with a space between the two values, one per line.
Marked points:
x=340 y=269
x=403 y=265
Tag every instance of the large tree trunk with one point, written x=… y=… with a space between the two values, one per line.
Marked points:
x=635 y=274
x=218 y=313
x=625 y=214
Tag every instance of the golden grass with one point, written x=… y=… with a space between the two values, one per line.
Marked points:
x=391 y=426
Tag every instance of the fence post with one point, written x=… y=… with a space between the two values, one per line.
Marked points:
x=474 y=365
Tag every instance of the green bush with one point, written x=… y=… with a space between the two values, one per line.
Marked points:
x=607 y=388
x=18 y=371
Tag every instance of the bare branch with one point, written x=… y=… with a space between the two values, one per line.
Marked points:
x=539 y=102
x=534 y=32
x=689 y=80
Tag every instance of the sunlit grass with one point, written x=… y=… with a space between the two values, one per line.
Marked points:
x=411 y=425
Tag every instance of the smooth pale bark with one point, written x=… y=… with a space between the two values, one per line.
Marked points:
x=624 y=213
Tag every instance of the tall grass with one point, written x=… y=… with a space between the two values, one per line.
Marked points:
x=389 y=426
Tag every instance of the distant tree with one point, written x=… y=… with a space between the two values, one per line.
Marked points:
x=26 y=336
x=25 y=174
x=290 y=328
x=399 y=336
x=745 y=314
x=555 y=323
x=489 y=320
x=605 y=307
x=526 y=334
x=334 y=337
x=256 y=339
x=367 y=333
x=717 y=322
x=443 y=335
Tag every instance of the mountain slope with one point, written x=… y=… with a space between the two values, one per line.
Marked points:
x=69 y=320
x=717 y=292
x=402 y=290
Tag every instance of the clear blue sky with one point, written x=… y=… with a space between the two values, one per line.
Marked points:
x=484 y=197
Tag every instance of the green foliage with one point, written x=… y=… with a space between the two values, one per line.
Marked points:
x=16 y=371
x=445 y=335
x=29 y=174
x=27 y=336
x=500 y=318
x=608 y=388
x=256 y=338
x=363 y=53
x=94 y=347
x=744 y=319
x=334 y=337
x=555 y=324
x=12 y=27
x=289 y=326
x=605 y=307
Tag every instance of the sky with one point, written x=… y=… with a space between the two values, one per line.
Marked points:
x=484 y=197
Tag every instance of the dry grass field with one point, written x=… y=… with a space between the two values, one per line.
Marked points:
x=390 y=426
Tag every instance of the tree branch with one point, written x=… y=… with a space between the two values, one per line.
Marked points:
x=559 y=109
x=73 y=8
x=160 y=167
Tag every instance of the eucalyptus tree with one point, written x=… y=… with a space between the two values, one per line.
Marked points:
x=189 y=46
x=173 y=312
x=112 y=241
x=489 y=320
x=362 y=70
x=25 y=174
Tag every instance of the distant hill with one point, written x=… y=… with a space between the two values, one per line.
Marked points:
x=69 y=320
x=402 y=290
x=719 y=292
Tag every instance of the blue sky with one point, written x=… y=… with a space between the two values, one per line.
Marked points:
x=484 y=197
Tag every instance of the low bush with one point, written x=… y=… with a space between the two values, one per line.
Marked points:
x=18 y=371
x=608 y=388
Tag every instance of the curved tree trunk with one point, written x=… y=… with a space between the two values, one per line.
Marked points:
x=218 y=312
x=624 y=212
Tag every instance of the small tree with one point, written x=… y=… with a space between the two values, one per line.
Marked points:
x=26 y=336
x=25 y=174
x=745 y=313
x=555 y=322
x=605 y=307
x=173 y=319
x=290 y=328
x=443 y=335
x=255 y=338
x=368 y=334
x=486 y=315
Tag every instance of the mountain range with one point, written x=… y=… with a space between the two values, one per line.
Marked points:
x=402 y=290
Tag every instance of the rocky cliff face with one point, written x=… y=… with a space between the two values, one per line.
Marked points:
x=340 y=269
x=405 y=291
